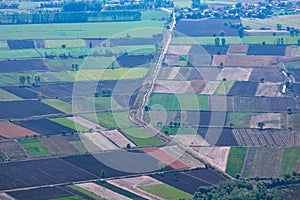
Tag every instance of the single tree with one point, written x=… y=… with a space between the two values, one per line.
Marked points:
x=37 y=79
x=222 y=33
x=217 y=41
x=223 y=41
x=28 y=80
x=22 y=80
x=102 y=173
x=128 y=146
x=260 y=125
x=39 y=96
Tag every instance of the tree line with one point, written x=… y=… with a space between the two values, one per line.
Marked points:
x=68 y=17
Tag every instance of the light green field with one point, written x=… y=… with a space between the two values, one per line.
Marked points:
x=3 y=44
x=203 y=40
x=177 y=131
x=290 y=160
x=76 y=51
x=224 y=87
x=13 y=77
x=34 y=147
x=111 y=120
x=269 y=39
x=81 y=30
x=238 y=119
x=95 y=104
x=19 y=53
x=68 y=43
x=62 y=64
x=140 y=137
x=59 y=105
x=180 y=102
x=6 y=96
x=235 y=160
x=71 y=124
x=285 y=20
x=108 y=74
x=166 y=191
x=88 y=193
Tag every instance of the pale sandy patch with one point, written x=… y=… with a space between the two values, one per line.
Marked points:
x=118 y=138
x=235 y=74
x=271 y=120
x=174 y=72
x=4 y=196
x=192 y=139
x=84 y=122
x=268 y=90
x=100 y=141
x=210 y=87
x=179 y=49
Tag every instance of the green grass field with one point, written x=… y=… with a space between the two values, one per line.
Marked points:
x=180 y=102
x=140 y=137
x=108 y=74
x=154 y=14
x=238 y=119
x=203 y=40
x=111 y=120
x=81 y=30
x=166 y=191
x=69 y=123
x=34 y=147
x=95 y=104
x=62 y=64
x=19 y=53
x=86 y=192
x=235 y=160
x=59 y=105
x=285 y=20
x=290 y=160
x=224 y=87
x=269 y=39
x=3 y=44
x=178 y=131
x=6 y=96
x=68 y=43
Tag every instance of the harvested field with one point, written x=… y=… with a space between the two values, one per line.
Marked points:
x=238 y=48
x=251 y=104
x=20 y=44
x=268 y=74
x=173 y=73
x=76 y=142
x=190 y=140
x=215 y=50
x=39 y=172
x=118 y=138
x=11 y=150
x=45 y=126
x=278 y=138
x=224 y=87
x=99 y=140
x=134 y=60
x=133 y=184
x=190 y=181
x=22 y=65
x=218 y=136
x=179 y=87
x=132 y=41
x=6 y=96
x=266 y=50
x=205 y=27
x=165 y=72
x=84 y=122
x=269 y=90
x=282 y=104
x=235 y=74
x=101 y=191
x=165 y=158
x=25 y=109
x=245 y=61
x=243 y=88
x=179 y=50
x=221 y=103
x=10 y=130
x=171 y=59
x=183 y=156
x=216 y=156
x=271 y=120
x=58 y=145
x=210 y=87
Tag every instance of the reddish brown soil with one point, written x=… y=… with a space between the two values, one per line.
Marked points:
x=10 y=130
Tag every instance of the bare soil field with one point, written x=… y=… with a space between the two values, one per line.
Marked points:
x=235 y=74
x=165 y=158
x=10 y=130
x=11 y=150
x=22 y=65
x=59 y=145
x=171 y=59
x=291 y=51
x=215 y=50
x=99 y=140
x=210 y=87
x=197 y=60
x=24 y=93
x=269 y=90
x=164 y=73
x=279 y=138
x=132 y=185
x=238 y=48
x=271 y=120
x=173 y=72
x=84 y=122
x=216 y=156
x=251 y=104
x=218 y=136
x=179 y=50
x=207 y=27
x=173 y=87
x=205 y=73
x=268 y=74
x=245 y=61
x=221 y=103
x=188 y=140
x=183 y=156
x=101 y=191
x=118 y=138
x=243 y=88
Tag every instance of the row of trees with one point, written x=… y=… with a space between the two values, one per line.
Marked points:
x=26 y=80
x=68 y=17
x=219 y=42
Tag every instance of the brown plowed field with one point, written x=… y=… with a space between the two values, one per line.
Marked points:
x=10 y=130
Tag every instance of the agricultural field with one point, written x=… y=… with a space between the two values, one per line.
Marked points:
x=9 y=130
x=70 y=124
x=11 y=150
x=235 y=160
x=140 y=137
x=34 y=147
